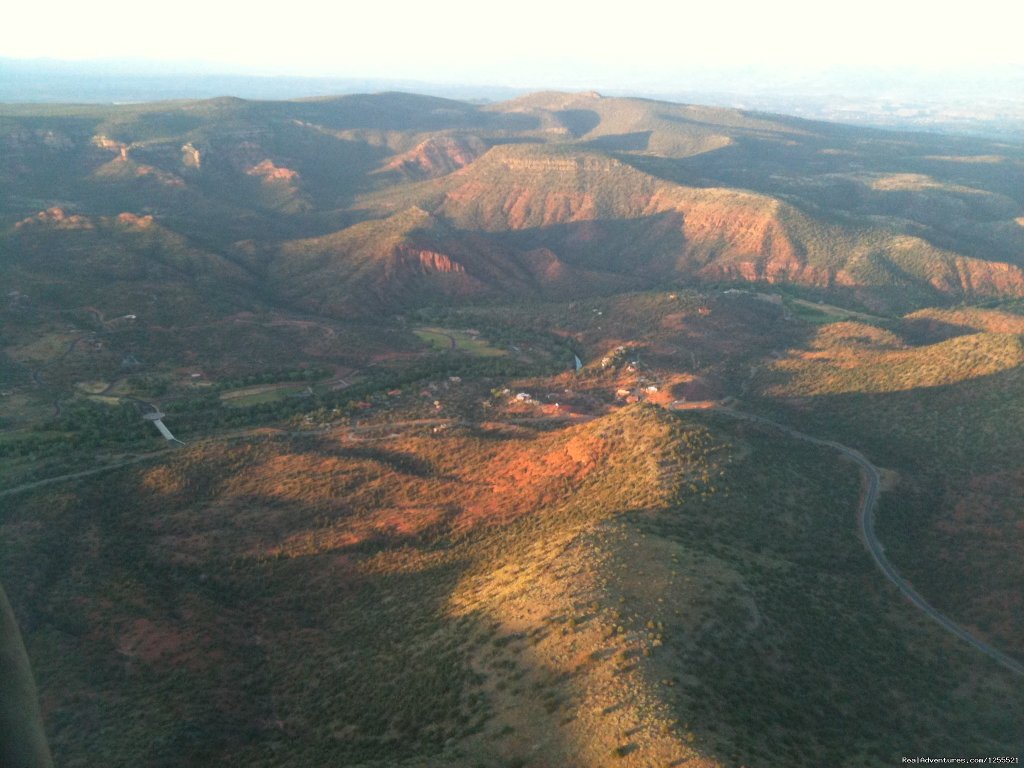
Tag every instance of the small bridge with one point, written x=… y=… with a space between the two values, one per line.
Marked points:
x=156 y=417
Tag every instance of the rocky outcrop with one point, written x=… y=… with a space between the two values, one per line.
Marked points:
x=123 y=168
x=424 y=261
x=974 y=277
x=55 y=218
x=269 y=172
x=112 y=145
x=574 y=165
x=241 y=150
x=132 y=220
x=769 y=270
x=191 y=157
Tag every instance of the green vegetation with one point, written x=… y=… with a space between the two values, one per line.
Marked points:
x=794 y=599
x=942 y=417
x=406 y=531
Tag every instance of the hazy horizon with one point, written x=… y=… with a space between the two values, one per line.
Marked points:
x=536 y=45
x=963 y=102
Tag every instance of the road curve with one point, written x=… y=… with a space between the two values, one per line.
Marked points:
x=866 y=520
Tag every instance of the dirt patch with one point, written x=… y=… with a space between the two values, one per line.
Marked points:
x=890 y=479
x=142 y=639
x=696 y=388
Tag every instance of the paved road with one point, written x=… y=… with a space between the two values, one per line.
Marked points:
x=83 y=473
x=866 y=519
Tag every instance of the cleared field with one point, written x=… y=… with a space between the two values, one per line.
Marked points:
x=21 y=409
x=92 y=387
x=817 y=312
x=264 y=393
x=105 y=399
x=459 y=339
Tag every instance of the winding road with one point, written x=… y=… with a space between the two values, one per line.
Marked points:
x=866 y=520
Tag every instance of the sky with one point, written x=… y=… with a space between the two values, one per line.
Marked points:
x=525 y=42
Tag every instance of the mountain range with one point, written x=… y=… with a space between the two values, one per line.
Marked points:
x=568 y=428
x=405 y=194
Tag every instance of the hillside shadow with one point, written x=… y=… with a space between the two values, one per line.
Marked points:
x=244 y=646
x=621 y=142
x=830 y=182
x=644 y=247
x=579 y=121
x=332 y=170
x=397 y=461
x=921 y=426
x=922 y=331
x=507 y=140
x=500 y=433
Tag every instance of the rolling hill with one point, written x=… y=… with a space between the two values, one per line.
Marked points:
x=604 y=594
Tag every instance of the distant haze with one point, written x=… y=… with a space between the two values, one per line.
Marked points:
x=904 y=64
x=528 y=44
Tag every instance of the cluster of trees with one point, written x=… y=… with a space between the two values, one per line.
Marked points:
x=82 y=425
x=270 y=377
x=93 y=424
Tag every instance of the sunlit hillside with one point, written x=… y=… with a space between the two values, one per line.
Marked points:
x=636 y=590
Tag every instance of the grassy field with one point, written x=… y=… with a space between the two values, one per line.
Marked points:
x=265 y=393
x=819 y=312
x=458 y=339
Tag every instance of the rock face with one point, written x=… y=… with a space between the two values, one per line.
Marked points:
x=425 y=261
x=105 y=142
x=191 y=157
x=974 y=277
x=57 y=218
x=438 y=156
x=576 y=166
x=123 y=168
